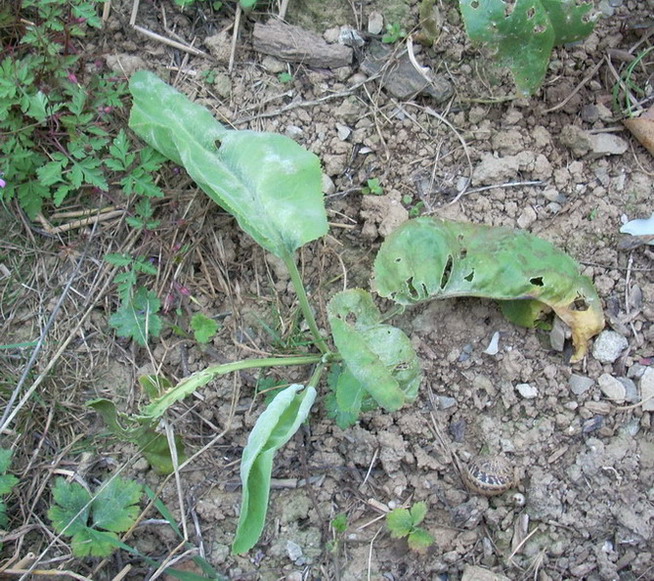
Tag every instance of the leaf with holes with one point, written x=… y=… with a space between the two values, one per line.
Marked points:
x=522 y=33
x=430 y=258
x=379 y=357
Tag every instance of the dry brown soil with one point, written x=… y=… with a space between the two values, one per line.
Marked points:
x=584 y=504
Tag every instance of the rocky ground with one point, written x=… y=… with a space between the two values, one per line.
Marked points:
x=559 y=164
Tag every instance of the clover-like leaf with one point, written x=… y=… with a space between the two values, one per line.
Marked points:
x=399 y=522
x=430 y=258
x=272 y=185
x=111 y=510
x=379 y=356
x=204 y=328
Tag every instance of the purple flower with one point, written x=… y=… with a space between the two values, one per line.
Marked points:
x=3 y=183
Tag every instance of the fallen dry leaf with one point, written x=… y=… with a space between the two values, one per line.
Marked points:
x=642 y=128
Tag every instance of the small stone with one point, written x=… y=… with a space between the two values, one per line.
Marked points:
x=343 y=131
x=607 y=144
x=527 y=217
x=559 y=333
x=608 y=346
x=328 y=186
x=611 y=388
x=493 y=346
x=273 y=65
x=636 y=371
x=526 y=390
x=375 y=23
x=647 y=389
x=294 y=551
x=580 y=384
x=446 y=402
x=630 y=389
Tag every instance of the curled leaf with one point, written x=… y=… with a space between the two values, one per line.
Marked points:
x=431 y=258
x=273 y=429
x=379 y=357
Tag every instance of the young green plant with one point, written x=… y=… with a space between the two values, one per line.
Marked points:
x=272 y=186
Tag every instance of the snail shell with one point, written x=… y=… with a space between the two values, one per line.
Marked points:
x=489 y=475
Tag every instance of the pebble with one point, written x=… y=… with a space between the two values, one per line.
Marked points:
x=493 y=347
x=526 y=390
x=580 y=384
x=608 y=346
x=375 y=23
x=612 y=388
x=647 y=389
x=446 y=402
x=630 y=389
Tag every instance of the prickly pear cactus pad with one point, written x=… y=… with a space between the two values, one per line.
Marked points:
x=430 y=258
x=522 y=33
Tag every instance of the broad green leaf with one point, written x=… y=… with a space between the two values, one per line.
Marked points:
x=107 y=409
x=522 y=33
x=379 y=356
x=91 y=543
x=276 y=426
x=70 y=511
x=430 y=258
x=270 y=184
x=399 y=522
x=115 y=507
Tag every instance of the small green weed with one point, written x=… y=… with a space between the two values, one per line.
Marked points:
x=204 y=328
x=372 y=187
x=624 y=92
x=403 y=522
x=394 y=32
x=285 y=77
x=137 y=315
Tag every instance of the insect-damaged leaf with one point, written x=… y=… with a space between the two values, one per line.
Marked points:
x=380 y=357
x=432 y=258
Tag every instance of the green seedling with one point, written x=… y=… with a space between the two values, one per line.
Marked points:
x=522 y=33
x=137 y=316
x=273 y=188
x=285 y=77
x=403 y=523
x=394 y=33
x=204 y=328
x=372 y=187
x=625 y=91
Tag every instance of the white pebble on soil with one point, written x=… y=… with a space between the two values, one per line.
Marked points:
x=647 y=389
x=611 y=388
x=608 y=346
x=526 y=390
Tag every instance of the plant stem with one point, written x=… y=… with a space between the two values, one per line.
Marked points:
x=296 y=279
x=196 y=380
